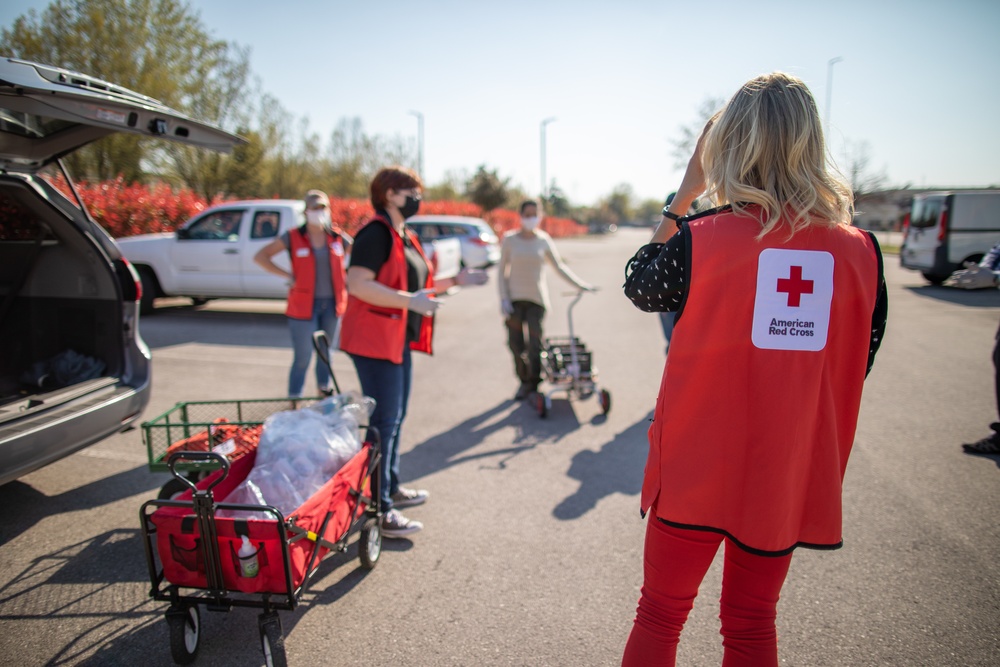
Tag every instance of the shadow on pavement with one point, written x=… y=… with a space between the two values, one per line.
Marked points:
x=993 y=457
x=93 y=585
x=24 y=506
x=101 y=586
x=981 y=298
x=452 y=446
x=187 y=325
x=616 y=468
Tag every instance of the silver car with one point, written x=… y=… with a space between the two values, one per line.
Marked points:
x=480 y=245
x=74 y=368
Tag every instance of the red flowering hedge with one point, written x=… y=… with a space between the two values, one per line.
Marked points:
x=129 y=209
x=350 y=214
x=125 y=209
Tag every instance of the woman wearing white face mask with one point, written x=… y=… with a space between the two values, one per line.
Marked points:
x=317 y=296
x=524 y=294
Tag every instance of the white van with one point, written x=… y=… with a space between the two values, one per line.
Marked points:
x=947 y=229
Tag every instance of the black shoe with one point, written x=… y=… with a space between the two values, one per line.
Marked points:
x=522 y=392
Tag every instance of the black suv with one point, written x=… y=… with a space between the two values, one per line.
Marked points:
x=73 y=367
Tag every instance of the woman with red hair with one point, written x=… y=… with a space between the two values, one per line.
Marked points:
x=390 y=312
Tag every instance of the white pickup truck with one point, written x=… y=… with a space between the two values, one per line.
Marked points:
x=211 y=255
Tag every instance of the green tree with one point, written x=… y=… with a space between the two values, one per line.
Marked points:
x=157 y=47
x=354 y=157
x=451 y=187
x=243 y=176
x=224 y=99
x=687 y=135
x=649 y=211
x=487 y=189
x=556 y=204
x=860 y=174
x=619 y=203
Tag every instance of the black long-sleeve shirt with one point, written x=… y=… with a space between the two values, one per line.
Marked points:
x=657 y=278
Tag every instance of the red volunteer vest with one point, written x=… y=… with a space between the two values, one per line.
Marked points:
x=301 y=295
x=759 y=400
x=378 y=332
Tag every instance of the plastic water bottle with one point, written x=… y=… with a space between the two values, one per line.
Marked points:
x=248 y=559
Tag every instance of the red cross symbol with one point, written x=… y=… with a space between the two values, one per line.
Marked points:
x=794 y=286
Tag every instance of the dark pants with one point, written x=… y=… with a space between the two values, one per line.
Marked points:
x=389 y=385
x=527 y=354
x=667 y=322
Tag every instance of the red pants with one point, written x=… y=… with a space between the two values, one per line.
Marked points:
x=675 y=562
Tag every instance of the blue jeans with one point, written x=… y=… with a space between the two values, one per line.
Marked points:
x=324 y=316
x=667 y=322
x=389 y=385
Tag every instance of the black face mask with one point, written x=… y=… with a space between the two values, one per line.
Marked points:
x=410 y=208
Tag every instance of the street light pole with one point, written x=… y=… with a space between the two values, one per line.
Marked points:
x=829 y=93
x=420 y=142
x=545 y=187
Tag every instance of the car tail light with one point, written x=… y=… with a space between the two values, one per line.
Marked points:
x=478 y=240
x=943 y=227
x=129 y=280
x=906 y=226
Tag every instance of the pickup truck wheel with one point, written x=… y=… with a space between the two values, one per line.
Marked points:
x=935 y=278
x=149 y=289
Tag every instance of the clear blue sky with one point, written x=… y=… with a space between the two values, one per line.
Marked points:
x=918 y=80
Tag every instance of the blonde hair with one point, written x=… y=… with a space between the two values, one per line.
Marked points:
x=766 y=147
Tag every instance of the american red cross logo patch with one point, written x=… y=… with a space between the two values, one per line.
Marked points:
x=792 y=302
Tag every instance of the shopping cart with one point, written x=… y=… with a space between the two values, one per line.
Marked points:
x=193 y=542
x=567 y=366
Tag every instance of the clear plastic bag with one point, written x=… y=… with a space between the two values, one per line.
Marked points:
x=300 y=450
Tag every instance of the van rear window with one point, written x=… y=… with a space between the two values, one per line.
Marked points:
x=925 y=212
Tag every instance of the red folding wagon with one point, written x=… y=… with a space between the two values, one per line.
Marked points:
x=193 y=542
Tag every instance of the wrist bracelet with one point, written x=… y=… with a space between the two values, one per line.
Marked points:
x=668 y=214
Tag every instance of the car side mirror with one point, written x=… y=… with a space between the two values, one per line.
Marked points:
x=183 y=233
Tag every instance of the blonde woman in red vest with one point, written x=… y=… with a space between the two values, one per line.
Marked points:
x=781 y=305
x=317 y=297
x=390 y=312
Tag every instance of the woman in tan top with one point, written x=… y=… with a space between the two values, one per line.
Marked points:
x=524 y=294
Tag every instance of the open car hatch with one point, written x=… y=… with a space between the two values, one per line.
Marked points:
x=47 y=112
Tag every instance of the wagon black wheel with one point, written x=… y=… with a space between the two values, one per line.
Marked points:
x=173 y=488
x=272 y=642
x=605 y=401
x=370 y=544
x=185 y=631
x=541 y=405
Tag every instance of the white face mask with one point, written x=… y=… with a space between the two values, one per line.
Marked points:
x=530 y=223
x=318 y=216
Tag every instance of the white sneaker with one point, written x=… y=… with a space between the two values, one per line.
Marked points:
x=409 y=497
x=395 y=525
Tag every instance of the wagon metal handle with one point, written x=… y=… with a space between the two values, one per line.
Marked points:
x=198 y=456
x=322 y=345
